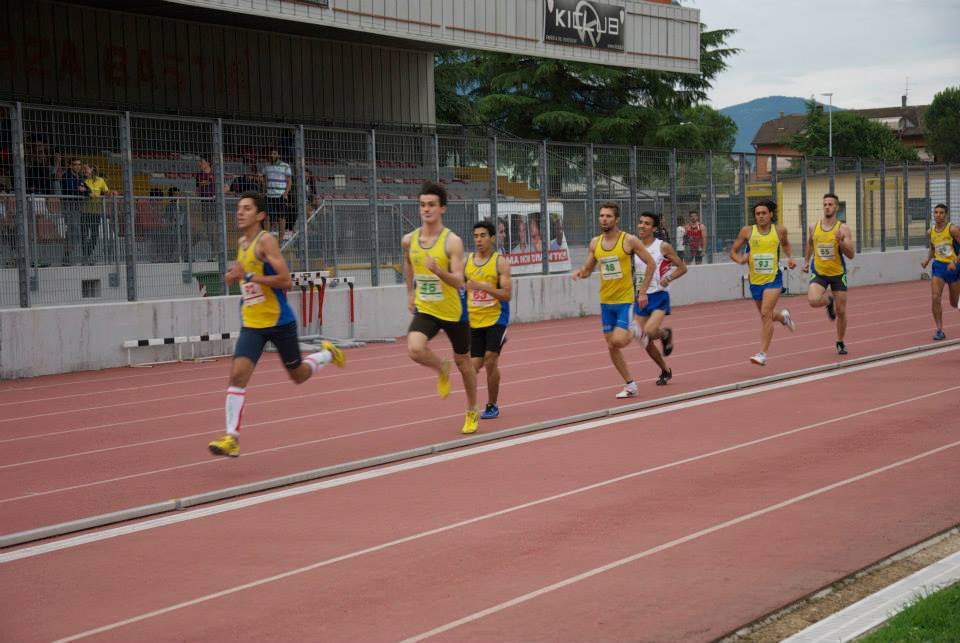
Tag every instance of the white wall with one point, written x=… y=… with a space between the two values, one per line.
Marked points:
x=41 y=341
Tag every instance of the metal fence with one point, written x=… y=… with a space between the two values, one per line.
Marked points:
x=116 y=206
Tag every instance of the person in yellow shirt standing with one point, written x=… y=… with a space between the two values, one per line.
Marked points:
x=613 y=251
x=828 y=242
x=489 y=288
x=944 y=247
x=433 y=269
x=763 y=240
x=266 y=317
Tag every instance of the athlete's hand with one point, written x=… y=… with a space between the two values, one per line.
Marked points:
x=642 y=299
x=791 y=263
x=411 y=306
x=806 y=266
x=742 y=259
x=478 y=285
x=952 y=266
x=575 y=275
x=235 y=273
x=431 y=264
x=925 y=262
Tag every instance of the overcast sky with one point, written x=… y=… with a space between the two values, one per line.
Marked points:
x=861 y=50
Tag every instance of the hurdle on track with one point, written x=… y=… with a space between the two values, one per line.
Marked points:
x=179 y=341
x=319 y=281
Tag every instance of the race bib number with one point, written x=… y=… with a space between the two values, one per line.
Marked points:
x=610 y=268
x=428 y=288
x=252 y=293
x=638 y=278
x=944 y=250
x=825 y=251
x=481 y=299
x=764 y=263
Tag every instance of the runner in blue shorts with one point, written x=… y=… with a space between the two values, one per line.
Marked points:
x=648 y=318
x=944 y=248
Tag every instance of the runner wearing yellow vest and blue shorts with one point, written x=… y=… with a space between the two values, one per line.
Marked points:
x=944 y=248
x=489 y=288
x=613 y=251
x=266 y=316
x=433 y=269
x=764 y=241
x=829 y=242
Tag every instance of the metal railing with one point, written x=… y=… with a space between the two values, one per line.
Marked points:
x=116 y=206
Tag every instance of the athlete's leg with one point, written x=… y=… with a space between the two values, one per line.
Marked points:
x=491 y=361
x=418 y=348
x=955 y=294
x=936 y=290
x=617 y=339
x=817 y=295
x=768 y=315
x=840 y=304
x=469 y=375
x=651 y=326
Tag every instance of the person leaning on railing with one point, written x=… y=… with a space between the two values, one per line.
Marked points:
x=74 y=191
x=97 y=188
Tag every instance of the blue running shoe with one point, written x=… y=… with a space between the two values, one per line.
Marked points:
x=492 y=411
x=939 y=334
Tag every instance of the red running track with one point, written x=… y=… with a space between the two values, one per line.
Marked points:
x=85 y=444
x=679 y=524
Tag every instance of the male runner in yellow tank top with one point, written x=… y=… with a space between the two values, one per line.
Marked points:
x=433 y=264
x=489 y=288
x=266 y=317
x=613 y=251
x=944 y=246
x=764 y=240
x=828 y=242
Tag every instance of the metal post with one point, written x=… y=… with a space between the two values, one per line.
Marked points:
x=590 y=209
x=803 y=202
x=436 y=157
x=544 y=212
x=742 y=178
x=130 y=212
x=926 y=198
x=634 y=215
x=712 y=200
x=673 y=183
x=946 y=184
x=833 y=174
x=20 y=189
x=375 y=259
x=859 y=205
x=220 y=203
x=883 y=206
x=773 y=180
x=492 y=180
x=906 y=212
x=301 y=165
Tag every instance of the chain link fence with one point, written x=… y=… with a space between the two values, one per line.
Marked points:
x=116 y=206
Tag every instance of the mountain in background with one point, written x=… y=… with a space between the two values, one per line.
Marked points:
x=751 y=115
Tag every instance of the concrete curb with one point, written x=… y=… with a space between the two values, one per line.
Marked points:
x=60 y=529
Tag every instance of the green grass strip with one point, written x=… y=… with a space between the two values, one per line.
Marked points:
x=931 y=619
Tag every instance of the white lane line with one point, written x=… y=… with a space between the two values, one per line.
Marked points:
x=664 y=546
x=281 y=494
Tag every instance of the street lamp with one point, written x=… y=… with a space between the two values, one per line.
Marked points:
x=830 y=121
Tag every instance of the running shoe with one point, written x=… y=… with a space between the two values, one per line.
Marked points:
x=667 y=340
x=470 y=424
x=335 y=353
x=227 y=445
x=841 y=348
x=788 y=320
x=443 y=380
x=492 y=411
x=760 y=359
x=939 y=334
x=629 y=390
x=831 y=311
x=664 y=377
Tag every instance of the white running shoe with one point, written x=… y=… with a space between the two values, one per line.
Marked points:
x=760 y=359
x=629 y=390
x=788 y=320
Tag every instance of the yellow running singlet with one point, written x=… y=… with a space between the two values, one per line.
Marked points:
x=434 y=296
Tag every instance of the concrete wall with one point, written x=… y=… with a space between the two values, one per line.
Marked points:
x=41 y=341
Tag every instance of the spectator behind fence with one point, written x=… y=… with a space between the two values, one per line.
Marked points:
x=176 y=225
x=75 y=192
x=249 y=181
x=38 y=168
x=205 y=226
x=279 y=180
x=93 y=210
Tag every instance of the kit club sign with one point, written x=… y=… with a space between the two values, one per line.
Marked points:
x=584 y=23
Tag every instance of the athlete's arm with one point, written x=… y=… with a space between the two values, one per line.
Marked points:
x=926 y=262
x=808 y=251
x=742 y=238
x=680 y=268
x=587 y=269
x=504 y=291
x=458 y=263
x=408 y=271
x=268 y=248
x=785 y=243
x=846 y=244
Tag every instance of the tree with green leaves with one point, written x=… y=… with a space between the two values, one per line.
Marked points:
x=580 y=102
x=942 y=125
x=853 y=136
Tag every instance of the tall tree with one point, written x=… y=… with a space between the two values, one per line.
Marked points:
x=853 y=136
x=942 y=124
x=580 y=102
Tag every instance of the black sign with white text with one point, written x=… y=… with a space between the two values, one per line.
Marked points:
x=585 y=23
